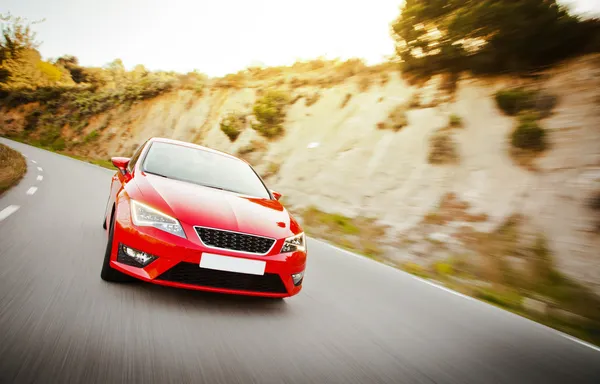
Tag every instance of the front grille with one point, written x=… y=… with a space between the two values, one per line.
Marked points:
x=190 y=273
x=234 y=241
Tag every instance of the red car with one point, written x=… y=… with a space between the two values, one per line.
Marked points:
x=187 y=216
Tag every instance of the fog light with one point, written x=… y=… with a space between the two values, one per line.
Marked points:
x=134 y=257
x=297 y=278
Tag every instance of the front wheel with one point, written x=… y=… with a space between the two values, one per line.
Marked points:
x=108 y=273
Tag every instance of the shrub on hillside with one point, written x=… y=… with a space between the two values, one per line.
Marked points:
x=312 y=99
x=515 y=100
x=270 y=110
x=528 y=134
x=594 y=202
x=397 y=119
x=512 y=101
x=93 y=135
x=415 y=100
x=384 y=78
x=455 y=121
x=233 y=124
x=442 y=149
x=364 y=83
x=346 y=100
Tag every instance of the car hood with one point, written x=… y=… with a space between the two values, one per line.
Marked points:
x=194 y=204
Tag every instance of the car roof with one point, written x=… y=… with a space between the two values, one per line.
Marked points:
x=192 y=145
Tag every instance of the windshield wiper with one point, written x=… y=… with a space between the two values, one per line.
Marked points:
x=157 y=174
x=192 y=182
x=219 y=188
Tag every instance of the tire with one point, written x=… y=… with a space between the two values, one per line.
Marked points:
x=108 y=273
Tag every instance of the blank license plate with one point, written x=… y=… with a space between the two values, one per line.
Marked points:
x=232 y=264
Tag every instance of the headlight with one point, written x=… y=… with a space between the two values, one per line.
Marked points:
x=144 y=216
x=294 y=243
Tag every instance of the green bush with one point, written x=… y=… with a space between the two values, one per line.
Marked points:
x=32 y=119
x=270 y=110
x=504 y=298
x=50 y=138
x=528 y=134
x=58 y=144
x=455 y=120
x=513 y=101
x=93 y=135
x=415 y=269
x=516 y=100
x=443 y=268
x=233 y=124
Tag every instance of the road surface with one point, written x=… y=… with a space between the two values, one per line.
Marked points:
x=356 y=321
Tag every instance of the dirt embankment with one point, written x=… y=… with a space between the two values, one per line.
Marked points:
x=12 y=167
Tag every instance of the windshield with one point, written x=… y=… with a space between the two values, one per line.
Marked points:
x=203 y=168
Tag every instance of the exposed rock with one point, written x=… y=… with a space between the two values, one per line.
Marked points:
x=535 y=306
x=420 y=249
x=568 y=317
x=440 y=237
x=517 y=264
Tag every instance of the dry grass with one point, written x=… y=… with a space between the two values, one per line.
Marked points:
x=12 y=167
x=434 y=218
x=312 y=99
x=346 y=100
x=356 y=233
x=272 y=170
x=364 y=83
x=384 y=78
x=397 y=119
x=415 y=100
x=296 y=98
x=250 y=151
x=442 y=149
x=524 y=158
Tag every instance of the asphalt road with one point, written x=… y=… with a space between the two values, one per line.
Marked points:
x=356 y=321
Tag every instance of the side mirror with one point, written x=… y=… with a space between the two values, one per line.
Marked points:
x=121 y=163
x=276 y=195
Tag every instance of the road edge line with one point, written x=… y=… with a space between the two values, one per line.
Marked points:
x=448 y=290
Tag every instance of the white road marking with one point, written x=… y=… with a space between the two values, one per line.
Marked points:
x=34 y=162
x=40 y=169
x=555 y=331
x=40 y=178
x=577 y=340
x=31 y=191
x=8 y=211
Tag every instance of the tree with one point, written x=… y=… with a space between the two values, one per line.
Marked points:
x=21 y=65
x=487 y=36
x=17 y=36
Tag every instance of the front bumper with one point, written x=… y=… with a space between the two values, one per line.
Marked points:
x=177 y=262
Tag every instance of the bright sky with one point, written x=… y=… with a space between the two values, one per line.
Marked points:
x=214 y=36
